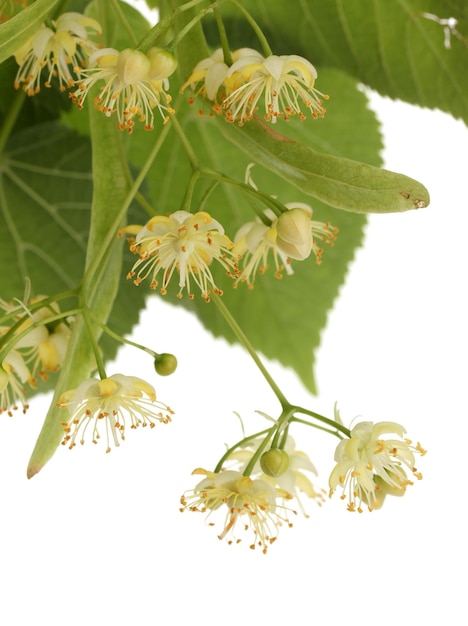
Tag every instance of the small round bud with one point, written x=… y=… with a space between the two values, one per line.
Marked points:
x=274 y=462
x=165 y=364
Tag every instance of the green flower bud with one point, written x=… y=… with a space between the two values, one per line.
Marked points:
x=274 y=462
x=165 y=364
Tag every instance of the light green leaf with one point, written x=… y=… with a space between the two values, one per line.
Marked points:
x=16 y=31
x=340 y=183
x=100 y=282
x=45 y=200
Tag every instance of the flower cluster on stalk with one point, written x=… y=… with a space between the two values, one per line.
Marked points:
x=286 y=468
x=58 y=49
x=134 y=84
x=248 y=505
x=371 y=466
x=33 y=353
x=112 y=404
x=280 y=86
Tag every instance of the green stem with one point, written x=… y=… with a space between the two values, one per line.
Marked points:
x=267 y=51
x=258 y=452
x=223 y=38
x=272 y=203
x=187 y=202
x=321 y=418
x=94 y=345
x=121 y=339
x=10 y=119
x=185 y=143
x=109 y=239
x=151 y=38
x=298 y=420
x=248 y=346
x=277 y=430
x=228 y=452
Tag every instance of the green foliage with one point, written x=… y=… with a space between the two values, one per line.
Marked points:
x=61 y=203
x=45 y=202
x=15 y=32
x=386 y=44
x=283 y=319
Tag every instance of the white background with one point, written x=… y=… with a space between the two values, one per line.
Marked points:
x=98 y=539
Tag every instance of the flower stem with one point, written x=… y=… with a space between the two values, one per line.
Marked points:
x=321 y=418
x=228 y=452
x=10 y=119
x=267 y=51
x=185 y=143
x=121 y=339
x=277 y=207
x=298 y=420
x=97 y=261
x=94 y=345
x=223 y=38
x=151 y=38
x=248 y=346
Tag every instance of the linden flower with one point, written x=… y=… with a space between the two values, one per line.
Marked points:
x=369 y=467
x=291 y=477
x=251 y=503
x=185 y=243
x=57 y=48
x=284 y=83
x=211 y=73
x=43 y=348
x=13 y=375
x=292 y=235
x=134 y=84
x=115 y=400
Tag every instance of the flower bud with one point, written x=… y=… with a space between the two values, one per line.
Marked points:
x=165 y=364
x=163 y=63
x=274 y=462
x=132 y=66
x=294 y=230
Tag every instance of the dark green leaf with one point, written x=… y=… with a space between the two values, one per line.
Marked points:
x=387 y=44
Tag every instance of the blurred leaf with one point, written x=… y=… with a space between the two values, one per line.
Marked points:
x=16 y=31
x=122 y=29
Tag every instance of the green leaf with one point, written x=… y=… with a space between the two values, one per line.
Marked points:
x=122 y=28
x=387 y=44
x=283 y=319
x=45 y=200
x=100 y=282
x=16 y=31
x=340 y=183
